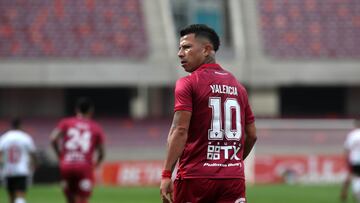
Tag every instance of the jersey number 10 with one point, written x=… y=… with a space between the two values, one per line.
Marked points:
x=216 y=132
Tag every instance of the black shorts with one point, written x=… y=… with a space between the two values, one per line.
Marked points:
x=355 y=169
x=16 y=183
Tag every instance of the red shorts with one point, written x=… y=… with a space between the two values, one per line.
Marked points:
x=77 y=180
x=199 y=190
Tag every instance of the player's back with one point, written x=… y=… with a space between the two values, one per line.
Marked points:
x=219 y=111
x=16 y=146
x=80 y=139
x=352 y=144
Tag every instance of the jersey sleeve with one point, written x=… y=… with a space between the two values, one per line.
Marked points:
x=183 y=95
x=61 y=125
x=31 y=144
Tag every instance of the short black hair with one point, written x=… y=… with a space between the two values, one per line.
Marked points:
x=15 y=123
x=84 y=105
x=202 y=30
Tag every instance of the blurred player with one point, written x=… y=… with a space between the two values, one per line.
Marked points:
x=17 y=154
x=352 y=155
x=74 y=141
x=213 y=128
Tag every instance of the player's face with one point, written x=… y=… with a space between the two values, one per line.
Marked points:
x=192 y=52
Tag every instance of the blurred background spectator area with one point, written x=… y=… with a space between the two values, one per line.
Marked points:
x=59 y=28
x=310 y=28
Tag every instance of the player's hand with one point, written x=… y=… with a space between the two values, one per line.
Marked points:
x=166 y=190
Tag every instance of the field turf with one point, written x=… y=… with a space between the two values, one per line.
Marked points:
x=256 y=194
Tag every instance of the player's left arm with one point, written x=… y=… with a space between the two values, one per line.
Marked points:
x=33 y=161
x=32 y=153
x=177 y=138
x=250 y=139
x=100 y=147
x=250 y=128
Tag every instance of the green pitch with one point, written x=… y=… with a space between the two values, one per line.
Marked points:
x=256 y=194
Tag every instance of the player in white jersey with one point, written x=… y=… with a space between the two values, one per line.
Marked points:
x=17 y=155
x=352 y=155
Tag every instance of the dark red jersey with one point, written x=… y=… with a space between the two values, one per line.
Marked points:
x=220 y=111
x=79 y=141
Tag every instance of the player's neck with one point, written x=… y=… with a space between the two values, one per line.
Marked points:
x=15 y=129
x=83 y=116
x=209 y=59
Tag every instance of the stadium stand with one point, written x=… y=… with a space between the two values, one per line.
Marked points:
x=74 y=29
x=310 y=29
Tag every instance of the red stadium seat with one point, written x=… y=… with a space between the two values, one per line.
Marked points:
x=310 y=28
x=57 y=28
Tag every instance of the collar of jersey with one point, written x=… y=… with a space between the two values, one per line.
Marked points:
x=210 y=65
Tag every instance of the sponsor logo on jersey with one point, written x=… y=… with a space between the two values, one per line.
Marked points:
x=217 y=152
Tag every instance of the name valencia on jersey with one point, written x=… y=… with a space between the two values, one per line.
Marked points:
x=224 y=89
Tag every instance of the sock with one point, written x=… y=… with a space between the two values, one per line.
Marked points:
x=20 y=200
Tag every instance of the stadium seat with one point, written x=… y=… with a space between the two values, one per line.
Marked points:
x=58 y=28
x=310 y=29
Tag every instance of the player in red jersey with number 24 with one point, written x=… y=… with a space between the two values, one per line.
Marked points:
x=75 y=140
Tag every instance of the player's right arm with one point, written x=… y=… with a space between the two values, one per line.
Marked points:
x=176 y=143
x=179 y=129
x=177 y=135
x=177 y=138
x=346 y=183
x=54 y=137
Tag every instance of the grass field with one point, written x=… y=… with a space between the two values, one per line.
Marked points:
x=256 y=194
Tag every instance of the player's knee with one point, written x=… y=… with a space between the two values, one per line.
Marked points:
x=85 y=185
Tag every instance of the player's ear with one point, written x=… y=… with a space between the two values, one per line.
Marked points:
x=207 y=49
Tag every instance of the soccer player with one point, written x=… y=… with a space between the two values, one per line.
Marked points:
x=75 y=141
x=213 y=128
x=17 y=154
x=352 y=156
